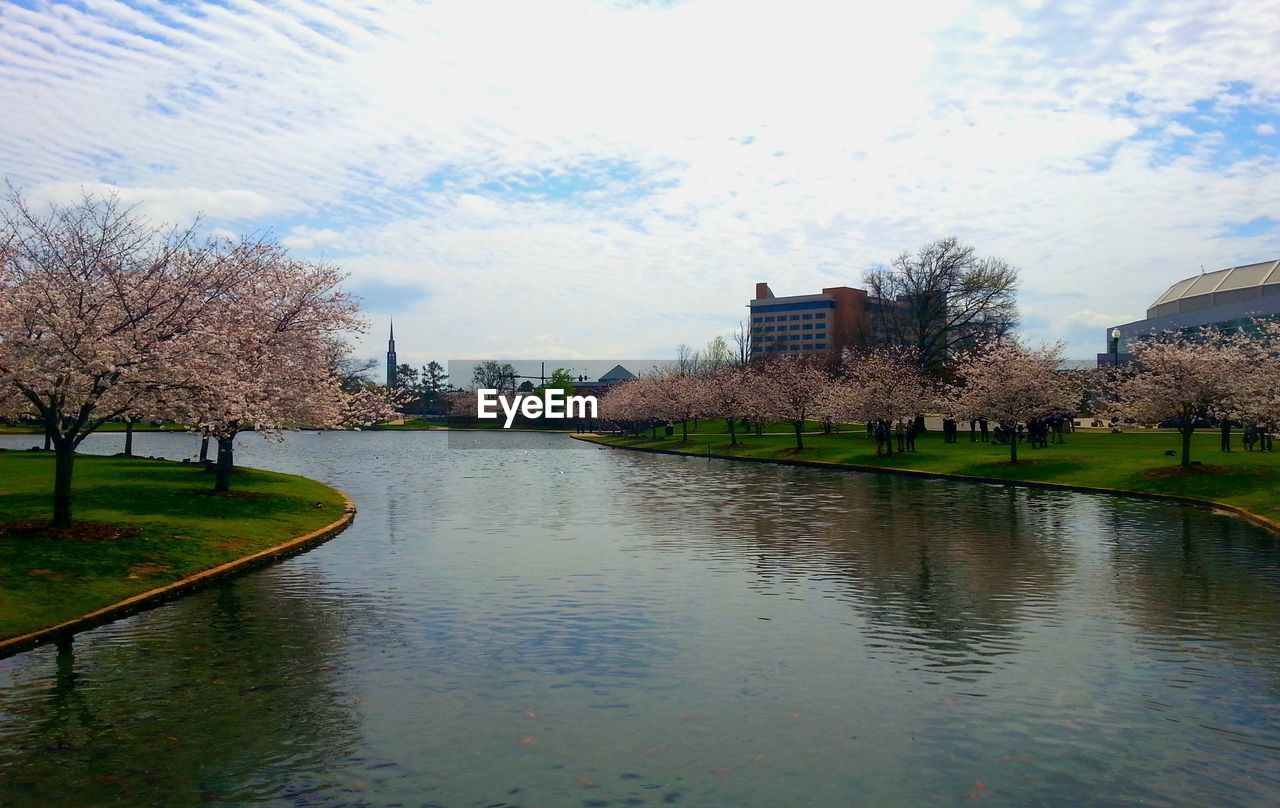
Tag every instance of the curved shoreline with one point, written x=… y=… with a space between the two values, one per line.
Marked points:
x=1271 y=526
x=162 y=594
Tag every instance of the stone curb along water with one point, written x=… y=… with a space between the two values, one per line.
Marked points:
x=1270 y=525
x=172 y=591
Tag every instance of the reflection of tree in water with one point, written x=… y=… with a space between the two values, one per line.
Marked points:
x=1199 y=578
x=950 y=570
x=225 y=703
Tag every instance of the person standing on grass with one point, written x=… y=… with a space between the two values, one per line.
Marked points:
x=1225 y=429
x=982 y=425
x=973 y=430
x=900 y=432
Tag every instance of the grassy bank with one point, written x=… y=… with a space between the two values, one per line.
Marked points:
x=109 y=426
x=1130 y=461
x=182 y=529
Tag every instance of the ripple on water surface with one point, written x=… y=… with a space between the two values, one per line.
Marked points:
x=532 y=621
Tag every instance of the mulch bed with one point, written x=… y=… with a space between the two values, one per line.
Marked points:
x=80 y=531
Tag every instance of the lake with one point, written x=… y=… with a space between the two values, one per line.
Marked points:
x=526 y=620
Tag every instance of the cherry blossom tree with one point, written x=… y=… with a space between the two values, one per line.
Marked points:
x=636 y=404
x=759 y=403
x=793 y=387
x=888 y=384
x=100 y=317
x=1183 y=377
x=679 y=397
x=727 y=395
x=461 y=403
x=268 y=364
x=835 y=404
x=1010 y=384
x=1258 y=383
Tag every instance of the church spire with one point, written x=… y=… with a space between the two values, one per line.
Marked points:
x=392 y=381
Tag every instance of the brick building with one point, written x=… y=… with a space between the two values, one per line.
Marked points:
x=810 y=325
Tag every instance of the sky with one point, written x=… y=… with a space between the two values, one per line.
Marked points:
x=595 y=179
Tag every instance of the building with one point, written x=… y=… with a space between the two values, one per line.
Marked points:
x=615 y=376
x=391 y=357
x=1226 y=298
x=809 y=325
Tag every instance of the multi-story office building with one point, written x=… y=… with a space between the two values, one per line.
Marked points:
x=808 y=324
x=1226 y=298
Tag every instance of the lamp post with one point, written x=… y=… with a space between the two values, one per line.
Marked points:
x=1115 y=347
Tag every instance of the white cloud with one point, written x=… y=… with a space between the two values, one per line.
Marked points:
x=169 y=205
x=308 y=238
x=796 y=146
x=1265 y=129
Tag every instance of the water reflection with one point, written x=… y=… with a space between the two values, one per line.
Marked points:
x=242 y=701
x=537 y=622
x=955 y=578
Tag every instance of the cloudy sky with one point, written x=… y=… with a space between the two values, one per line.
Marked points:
x=612 y=178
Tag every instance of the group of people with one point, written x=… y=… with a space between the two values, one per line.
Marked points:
x=1039 y=432
x=978 y=429
x=1255 y=435
x=903 y=430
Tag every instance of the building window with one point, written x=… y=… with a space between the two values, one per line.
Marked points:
x=795 y=328
x=808 y=336
x=807 y=317
x=768 y=319
x=795 y=317
x=768 y=328
x=821 y=346
x=756 y=319
x=822 y=315
x=808 y=326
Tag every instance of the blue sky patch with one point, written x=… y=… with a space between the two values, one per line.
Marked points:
x=1259 y=226
x=384 y=296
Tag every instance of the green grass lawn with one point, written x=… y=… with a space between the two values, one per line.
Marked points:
x=1130 y=461
x=184 y=529
x=109 y=426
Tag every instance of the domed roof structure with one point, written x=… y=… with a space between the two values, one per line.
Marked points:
x=1231 y=285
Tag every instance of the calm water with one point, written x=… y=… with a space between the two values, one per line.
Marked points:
x=541 y=623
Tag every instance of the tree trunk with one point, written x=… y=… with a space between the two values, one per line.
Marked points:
x=733 y=435
x=204 y=449
x=799 y=425
x=63 y=464
x=684 y=431
x=222 y=471
x=1186 y=445
x=128 y=438
x=1013 y=444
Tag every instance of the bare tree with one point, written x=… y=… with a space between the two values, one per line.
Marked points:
x=494 y=375
x=353 y=372
x=742 y=343
x=942 y=299
x=688 y=360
